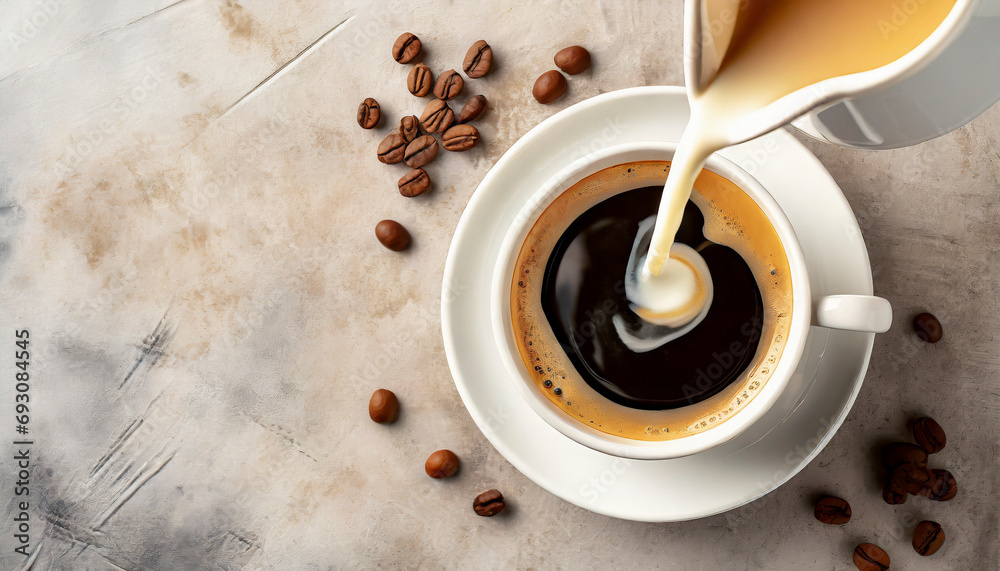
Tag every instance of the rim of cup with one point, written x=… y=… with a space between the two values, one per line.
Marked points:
x=616 y=445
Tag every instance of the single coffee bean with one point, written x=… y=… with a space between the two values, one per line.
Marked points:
x=928 y=327
x=833 y=511
x=913 y=478
x=870 y=557
x=405 y=48
x=437 y=116
x=420 y=80
x=901 y=452
x=489 y=503
x=383 y=406
x=478 y=60
x=390 y=150
x=573 y=59
x=929 y=435
x=441 y=464
x=420 y=151
x=409 y=128
x=449 y=84
x=893 y=493
x=414 y=183
x=549 y=87
x=928 y=537
x=460 y=138
x=472 y=109
x=392 y=235
x=944 y=486
x=369 y=114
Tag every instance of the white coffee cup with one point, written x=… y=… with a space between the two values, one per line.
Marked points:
x=851 y=312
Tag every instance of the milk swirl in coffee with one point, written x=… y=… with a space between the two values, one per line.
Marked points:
x=573 y=325
x=655 y=315
x=583 y=285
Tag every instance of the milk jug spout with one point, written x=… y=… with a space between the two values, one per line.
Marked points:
x=941 y=84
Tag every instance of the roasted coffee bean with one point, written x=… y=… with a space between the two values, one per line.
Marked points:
x=928 y=327
x=929 y=435
x=913 y=478
x=448 y=85
x=420 y=80
x=478 y=60
x=383 y=406
x=409 y=127
x=420 y=151
x=928 y=537
x=893 y=493
x=472 y=109
x=549 y=87
x=944 y=486
x=870 y=557
x=390 y=150
x=833 y=511
x=460 y=138
x=572 y=60
x=488 y=503
x=405 y=48
x=441 y=464
x=414 y=183
x=437 y=116
x=901 y=452
x=392 y=235
x=369 y=114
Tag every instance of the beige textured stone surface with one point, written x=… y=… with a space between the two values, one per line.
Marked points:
x=210 y=311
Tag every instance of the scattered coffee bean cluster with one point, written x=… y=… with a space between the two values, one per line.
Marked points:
x=383 y=408
x=907 y=474
x=551 y=85
x=413 y=142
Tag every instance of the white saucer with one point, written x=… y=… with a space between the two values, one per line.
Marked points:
x=759 y=460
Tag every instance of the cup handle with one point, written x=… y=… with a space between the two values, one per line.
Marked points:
x=853 y=312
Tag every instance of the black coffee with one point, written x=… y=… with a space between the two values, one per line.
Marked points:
x=583 y=289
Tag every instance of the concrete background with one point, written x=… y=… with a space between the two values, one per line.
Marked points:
x=190 y=244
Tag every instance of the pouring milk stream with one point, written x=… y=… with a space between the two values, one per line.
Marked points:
x=751 y=67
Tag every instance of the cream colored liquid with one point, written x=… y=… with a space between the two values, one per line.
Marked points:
x=776 y=48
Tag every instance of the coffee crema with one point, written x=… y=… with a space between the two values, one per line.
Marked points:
x=610 y=341
x=693 y=391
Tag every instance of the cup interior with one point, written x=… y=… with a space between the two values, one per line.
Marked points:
x=628 y=447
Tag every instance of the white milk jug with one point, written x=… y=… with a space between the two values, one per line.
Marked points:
x=942 y=84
